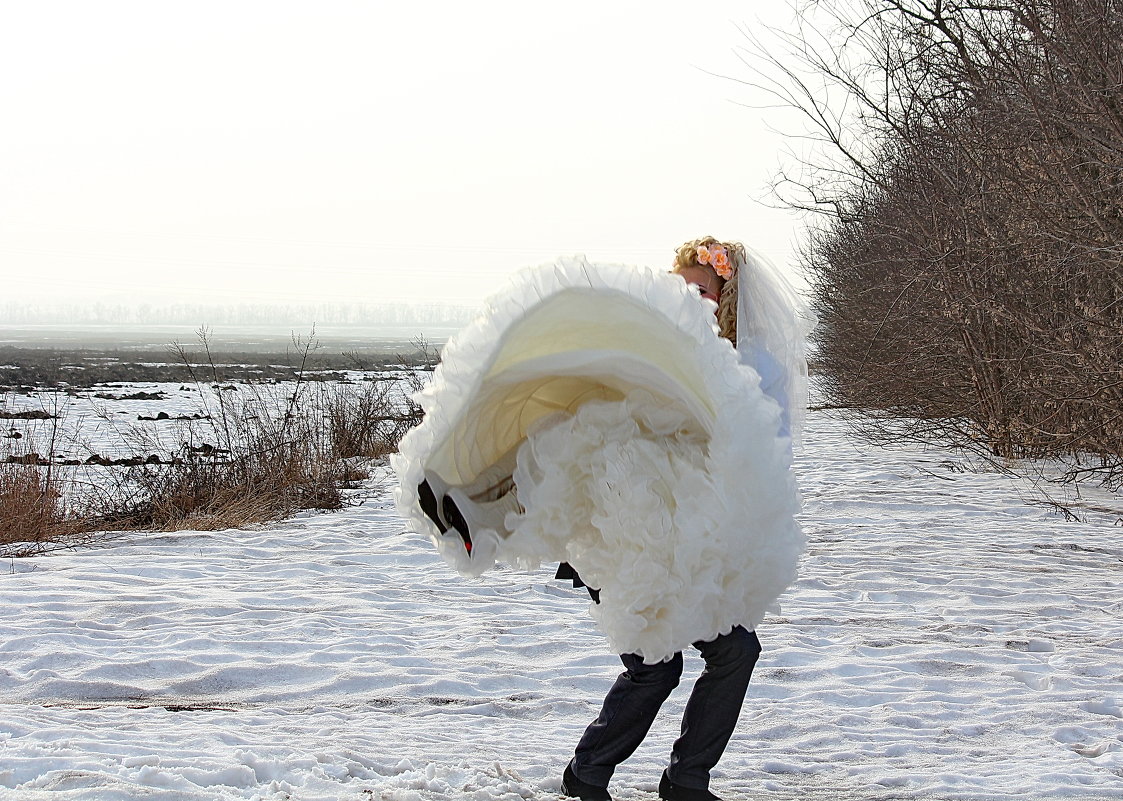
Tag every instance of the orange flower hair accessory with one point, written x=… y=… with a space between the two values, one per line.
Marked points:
x=717 y=257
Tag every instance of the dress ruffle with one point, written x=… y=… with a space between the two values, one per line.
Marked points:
x=647 y=456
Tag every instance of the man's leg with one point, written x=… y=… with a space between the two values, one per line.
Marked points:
x=714 y=706
x=625 y=717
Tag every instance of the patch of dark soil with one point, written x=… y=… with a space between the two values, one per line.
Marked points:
x=135 y=396
x=34 y=414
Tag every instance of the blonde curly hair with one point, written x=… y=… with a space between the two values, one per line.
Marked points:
x=687 y=256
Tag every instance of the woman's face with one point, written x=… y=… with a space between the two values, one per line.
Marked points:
x=705 y=280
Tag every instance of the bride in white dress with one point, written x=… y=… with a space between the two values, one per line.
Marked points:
x=642 y=451
x=598 y=415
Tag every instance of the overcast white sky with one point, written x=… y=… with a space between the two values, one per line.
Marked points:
x=369 y=151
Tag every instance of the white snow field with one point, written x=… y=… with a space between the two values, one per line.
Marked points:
x=948 y=638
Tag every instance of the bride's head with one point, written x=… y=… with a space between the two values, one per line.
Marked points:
x=711 y=265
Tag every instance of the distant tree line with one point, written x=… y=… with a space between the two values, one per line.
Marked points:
x=967 y=260
x=421 y=314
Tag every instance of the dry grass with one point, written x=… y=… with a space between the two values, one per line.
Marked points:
x=220 y=490
x=31 y=508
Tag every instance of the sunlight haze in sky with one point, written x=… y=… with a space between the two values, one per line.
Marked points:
x=280 y=152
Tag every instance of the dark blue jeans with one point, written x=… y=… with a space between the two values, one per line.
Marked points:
x=707 y=724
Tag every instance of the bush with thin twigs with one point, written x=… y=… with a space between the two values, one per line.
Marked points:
x=367 y=422
x=966 y=266
x=371 y=421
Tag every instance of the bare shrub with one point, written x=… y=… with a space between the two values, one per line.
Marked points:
x=967 y=260
x=369 y=421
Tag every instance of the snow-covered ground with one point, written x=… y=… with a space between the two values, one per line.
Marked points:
x=948 y=638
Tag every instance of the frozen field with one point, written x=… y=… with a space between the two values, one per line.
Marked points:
x=114 y=422
x=948 y=638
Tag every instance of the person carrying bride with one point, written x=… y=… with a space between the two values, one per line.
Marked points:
x=757 y=313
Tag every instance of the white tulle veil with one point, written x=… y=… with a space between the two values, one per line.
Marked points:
x=771 y=315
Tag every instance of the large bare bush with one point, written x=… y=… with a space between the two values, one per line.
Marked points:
x=967 y=259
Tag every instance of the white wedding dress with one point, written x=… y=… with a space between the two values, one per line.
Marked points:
x=592 y=415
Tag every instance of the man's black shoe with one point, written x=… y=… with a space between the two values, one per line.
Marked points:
x=669 y=791
x=575 y=788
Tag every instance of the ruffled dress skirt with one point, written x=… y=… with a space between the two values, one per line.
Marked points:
x=630 y=443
